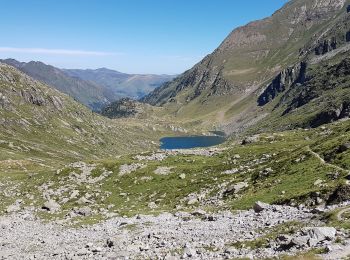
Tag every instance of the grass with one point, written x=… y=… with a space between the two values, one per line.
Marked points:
x=332 y=219
x=293 y=170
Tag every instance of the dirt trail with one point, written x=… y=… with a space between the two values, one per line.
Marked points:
x=326 y=163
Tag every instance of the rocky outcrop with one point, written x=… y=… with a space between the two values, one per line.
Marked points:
x=122 y=108
x=33 y=96
x=326 y=46
x=331 y=115
x=282 y=81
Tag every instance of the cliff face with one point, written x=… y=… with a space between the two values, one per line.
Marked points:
x=284 y=79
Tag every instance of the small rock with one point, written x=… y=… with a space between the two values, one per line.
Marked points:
x=260 y=206
x=13 y=208
x=96 y=249
x=109 y=243
x=182 y=176
x=85 y=211
x=198 y=213
x=318 y=182
x=152 y=205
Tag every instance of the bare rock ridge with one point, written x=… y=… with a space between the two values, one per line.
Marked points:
x=286 y=78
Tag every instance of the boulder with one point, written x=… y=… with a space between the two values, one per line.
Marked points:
x=235 y=188
x=321 y=233
x=341 y=194
x=300 y=242
x=260 y=206
x=13 y=208
x=84 y=211
x=250 y=139
x=344 y=147
x=51 y=206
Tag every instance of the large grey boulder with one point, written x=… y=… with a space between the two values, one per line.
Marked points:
x=321 y=233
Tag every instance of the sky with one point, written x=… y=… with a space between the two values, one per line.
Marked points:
x=131 y=36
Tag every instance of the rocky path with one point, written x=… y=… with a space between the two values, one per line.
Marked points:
x=167 y=236
x=336 y=167
x=340 y=213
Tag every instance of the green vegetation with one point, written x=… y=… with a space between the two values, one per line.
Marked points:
x=284 y=167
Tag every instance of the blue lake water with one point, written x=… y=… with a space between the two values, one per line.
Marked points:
x=188 y=142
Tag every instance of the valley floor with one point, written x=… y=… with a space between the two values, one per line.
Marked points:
x=200 y=204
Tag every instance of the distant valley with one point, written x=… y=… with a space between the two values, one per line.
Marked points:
x=93 y=88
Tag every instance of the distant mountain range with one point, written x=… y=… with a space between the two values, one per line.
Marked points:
x=127 y=85
x=93 y=88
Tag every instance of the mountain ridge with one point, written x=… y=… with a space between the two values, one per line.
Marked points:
x=225 y=86
x=95 y=94
x=126 y=85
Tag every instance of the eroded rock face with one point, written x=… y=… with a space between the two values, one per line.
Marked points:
x=326 y=46
x=342 y=193
x=284 y=79
x=325 y=117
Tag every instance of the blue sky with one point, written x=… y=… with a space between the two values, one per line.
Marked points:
x=133 y=36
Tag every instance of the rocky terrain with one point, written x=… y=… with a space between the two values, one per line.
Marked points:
x=185 y=235
x=267 y=195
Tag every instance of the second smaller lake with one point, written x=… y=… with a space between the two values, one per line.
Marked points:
x=188 y=142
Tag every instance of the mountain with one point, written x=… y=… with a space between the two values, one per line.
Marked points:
x=127 y=85
x=88 y=93
x=259 y=64
x=40 y=124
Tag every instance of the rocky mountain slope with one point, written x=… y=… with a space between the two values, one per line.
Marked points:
x=93 y=88
x=126 y=85
x=39 y=123
x=88 y=93
x=232 y=86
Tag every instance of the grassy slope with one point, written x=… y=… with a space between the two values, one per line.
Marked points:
x=290 y=155
x=56 y=134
